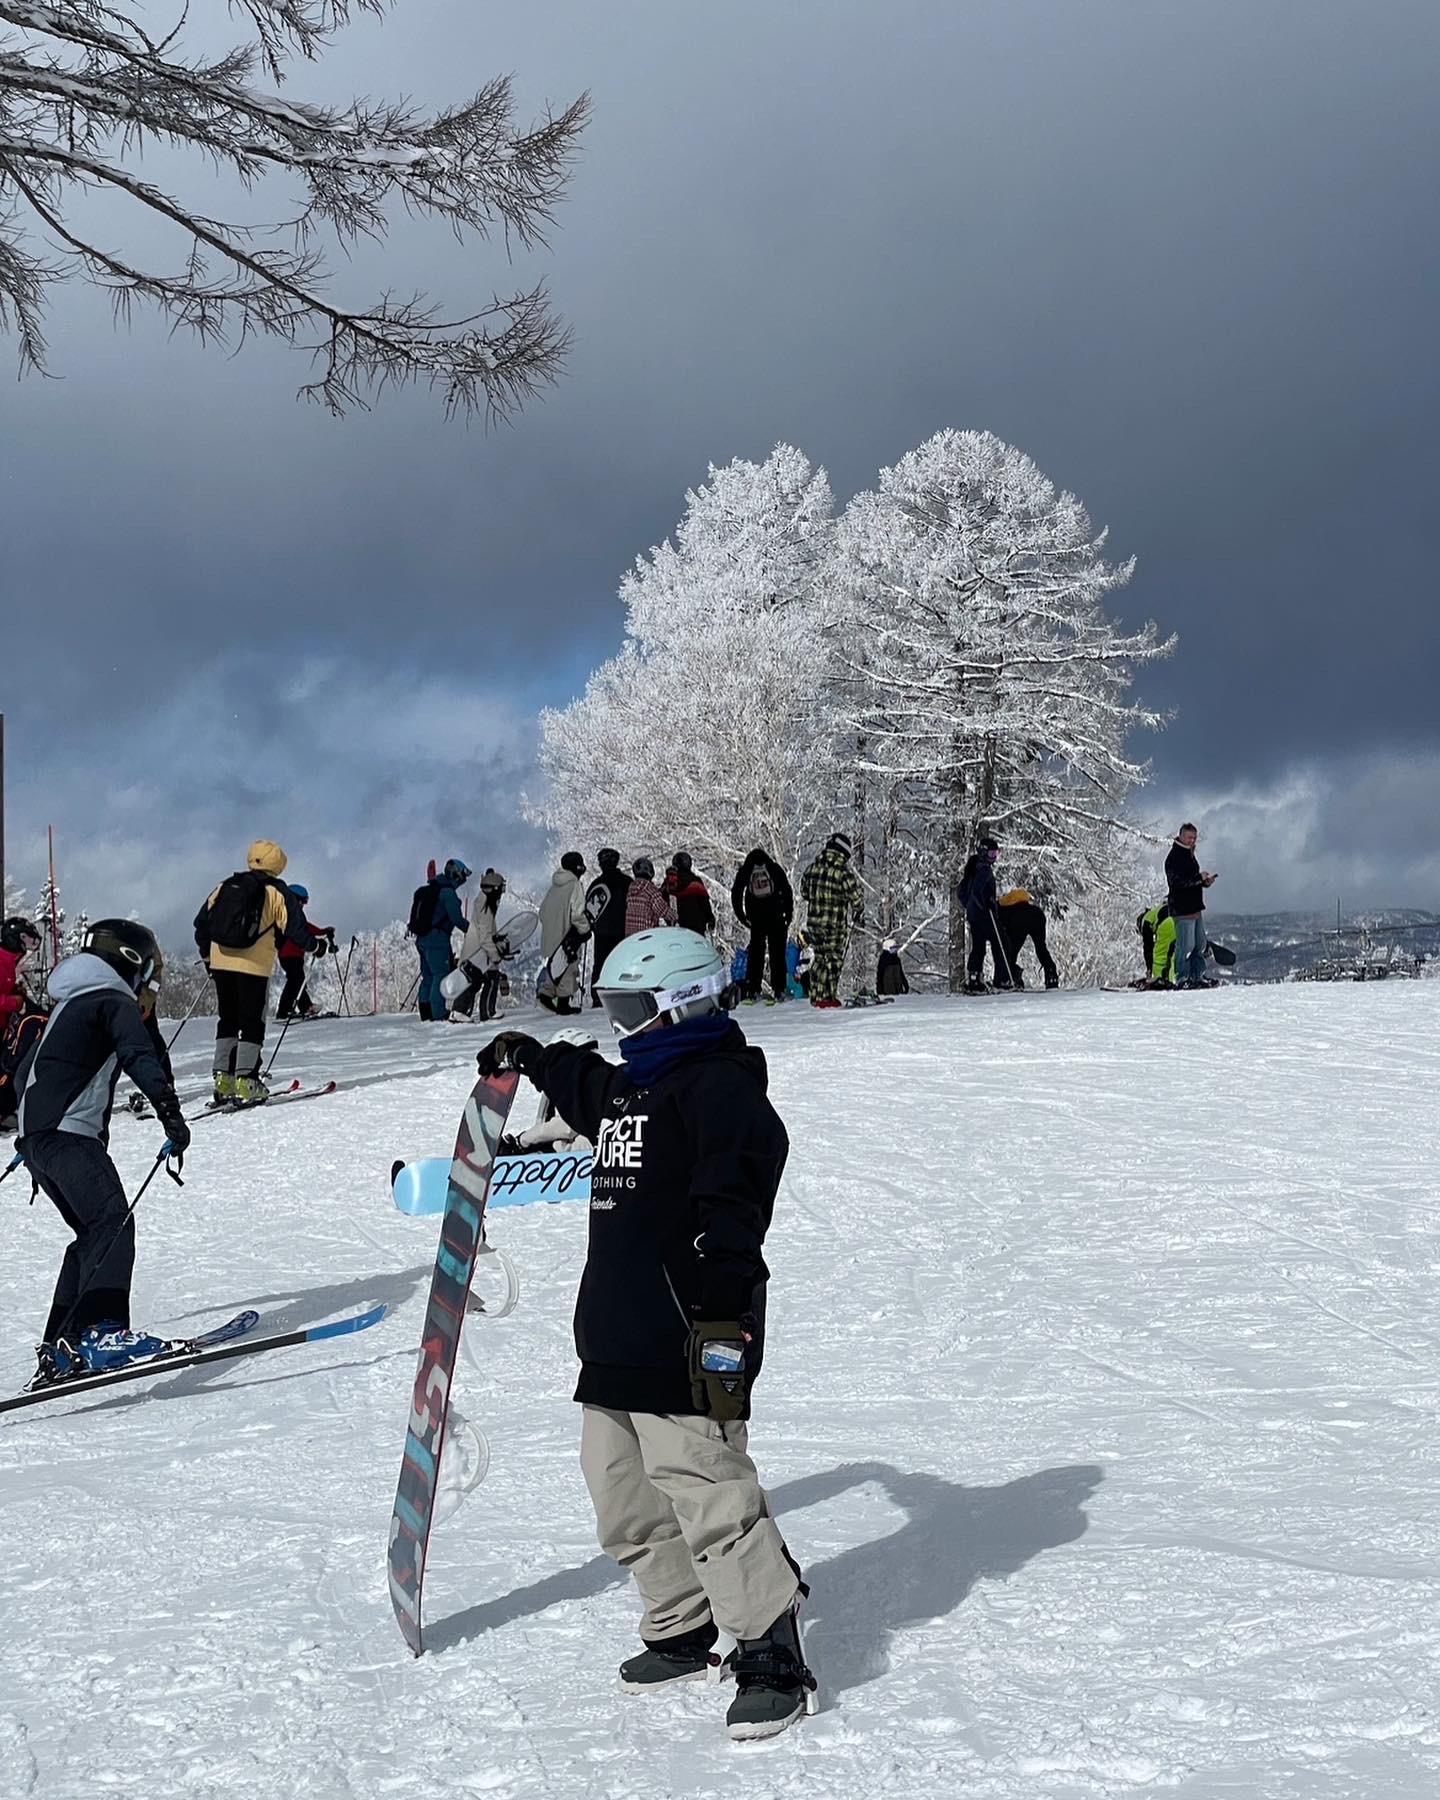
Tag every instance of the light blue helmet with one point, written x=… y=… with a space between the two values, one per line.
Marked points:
x=301 y=893
x=668 y=973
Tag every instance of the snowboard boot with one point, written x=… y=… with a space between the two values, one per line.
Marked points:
x=250 y=1090
x=109 y=1346
x=773 y=1685
x=224 y=1088
x=688 y=1658
x=1052 y=981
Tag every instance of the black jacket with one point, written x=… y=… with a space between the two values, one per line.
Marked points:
x=1187 y=892
x=765 y=910
x=95 y=1031
x=692 y=902
x=609 y=924
x=890 y=976
x=977 y=885
x=681 y=1195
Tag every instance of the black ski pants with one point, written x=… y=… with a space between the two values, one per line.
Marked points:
x=79 y=1179
x=484 y=987
x=1019 y=922
x=767 y=937
x=294 y=996
x=240 y=1028
x=600 y=950
x=983 y=933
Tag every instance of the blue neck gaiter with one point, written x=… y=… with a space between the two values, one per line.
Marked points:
x=650 y=1054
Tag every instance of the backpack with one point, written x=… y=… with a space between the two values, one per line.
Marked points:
x=967 y=875
x=235 y=915
x=762 y=883
x=422 y=910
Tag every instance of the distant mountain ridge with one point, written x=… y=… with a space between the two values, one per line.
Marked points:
x=1272 y=946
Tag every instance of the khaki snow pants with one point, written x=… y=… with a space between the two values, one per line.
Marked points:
x=678 y=1503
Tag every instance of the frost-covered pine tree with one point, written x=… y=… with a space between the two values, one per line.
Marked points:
x=981 y=681
x=86 y=86
x=75 y=933
x=50 y=922
x=707 y=731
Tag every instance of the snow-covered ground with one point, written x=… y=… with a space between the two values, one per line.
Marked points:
x=1100 y=1405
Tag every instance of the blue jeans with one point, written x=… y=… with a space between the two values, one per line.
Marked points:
x=1190 y=949
x=436 y=963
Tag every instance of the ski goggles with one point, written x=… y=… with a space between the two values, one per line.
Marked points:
x=632 y=1009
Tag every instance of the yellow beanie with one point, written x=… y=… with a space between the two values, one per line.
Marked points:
x=1016 y=897
x=268 y=858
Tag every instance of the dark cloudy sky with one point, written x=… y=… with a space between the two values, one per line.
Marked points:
x=1184 y=255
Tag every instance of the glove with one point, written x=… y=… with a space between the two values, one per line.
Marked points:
x=571 y=942
x=721 y=1389
x=507 y=1050
x=177 y=1132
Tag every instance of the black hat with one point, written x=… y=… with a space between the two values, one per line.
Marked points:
x=573 y=861
x=682 y=862
x=609 y=859
x=840 y=840
x=13 y=935
x=987 y=843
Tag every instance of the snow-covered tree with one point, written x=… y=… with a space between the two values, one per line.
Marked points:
x=75 y=933
x=981 y=681
x=50 y=922
x=86 y=85
x=707 y=731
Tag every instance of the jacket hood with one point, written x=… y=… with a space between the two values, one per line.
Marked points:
x=85 y=974
x=266 y=858
x=564 y=878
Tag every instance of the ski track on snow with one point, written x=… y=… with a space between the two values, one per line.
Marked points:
x=1100 y=1405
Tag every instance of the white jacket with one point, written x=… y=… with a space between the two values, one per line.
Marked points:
x=562 y=907
x=479 y=948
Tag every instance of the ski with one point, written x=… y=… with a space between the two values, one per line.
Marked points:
x=226 y=1341
x=462 y=1236
x=279 y=1097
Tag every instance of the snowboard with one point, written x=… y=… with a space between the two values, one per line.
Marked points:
x=228 y=1340
x=597 y=898
x=462 y=1236
x=517 y=931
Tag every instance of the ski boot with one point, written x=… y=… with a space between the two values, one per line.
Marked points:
x=224 y=1088
x=1052 y=981
x=773 y=1685
x=109 y=1346
x=250 y=1090
x=52 y=1363
x=688 y=1658
x=976 y=987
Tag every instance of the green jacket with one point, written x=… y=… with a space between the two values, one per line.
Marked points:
x=1158 y=934
x=832 y=895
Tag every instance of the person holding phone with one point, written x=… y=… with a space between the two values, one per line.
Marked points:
x=1187 y=883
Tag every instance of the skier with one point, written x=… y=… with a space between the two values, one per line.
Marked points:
x=669 y=1323
x=480 y=954
x=564 y=925
x=688 y=894
x=1021 y=918
x=890 y=976
x=833 y=900
x=435 y=916
x=977 y=895
x=762 y=899
x=645 y=906
x=21 y=1016
x=67 y=1092
x=1157 y=942
x=301 y=938
x=609 y=919
x=237 y=932
x=1187 y=883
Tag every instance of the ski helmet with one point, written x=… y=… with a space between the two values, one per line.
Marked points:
x=643 y=869
x=573 y=861
x=297 y=892
x=456 y=872
x=609 y=859
x=17 y=935
x=130 y=950
x=492 y=882
x=667 y=975
x=683 y=863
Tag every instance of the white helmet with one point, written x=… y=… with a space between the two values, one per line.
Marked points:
x=668 y=973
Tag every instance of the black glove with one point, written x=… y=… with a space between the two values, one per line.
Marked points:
x=507 y=1050
x=319 y=947
x=571 y=942
x=722 y=1389
x=172 y=1121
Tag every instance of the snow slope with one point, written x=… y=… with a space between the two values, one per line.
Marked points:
x=1100 y=1406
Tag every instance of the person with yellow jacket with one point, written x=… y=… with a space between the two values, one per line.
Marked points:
x=237 y=931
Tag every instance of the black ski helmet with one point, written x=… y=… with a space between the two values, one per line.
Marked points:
x=129 y=949
x=609 y=859
x=573 y=861
x=643 y=869
x=16 y=933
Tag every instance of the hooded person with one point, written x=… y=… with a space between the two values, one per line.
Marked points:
x=833 y=900
x=102 y=1026
x=688 y=894
x=1021 y=920
x=761 y=898
x=435 y=917
x=605 y=900
x=670 y=1319
x=1157 y=946
x=646 y=908
x=480 y=955
x=564 y=926
x=22 y=1015
x=301 y=939
x=238 y=932
x=890 y=976
x=978 y=894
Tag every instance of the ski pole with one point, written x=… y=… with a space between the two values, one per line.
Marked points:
x=162 y=1160
x=1000 y=946
x=345 y=976
x=17 y=1161
x=280 y=1042
x=410 y=996
x=170 y=1042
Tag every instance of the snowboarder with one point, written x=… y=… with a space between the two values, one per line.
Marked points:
x=237 y=932
x=480 y=954
x=1020 y=919
x=645 y=906
x=1157 y=942
x=762 y=899
x=609 y=919
x=301 y=938
x=669 y=1323
x=688 y=894
x=977 y=895
x=96 y=1030
x=833 y=899
x=435 y=917
x=1187 y=882
x=890 y=976
x=564 y=926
